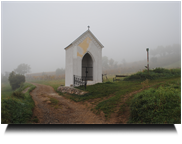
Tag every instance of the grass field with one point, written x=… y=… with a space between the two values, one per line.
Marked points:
x=6 y=90
x=158 y=102
x=161 y=104
x=112 y=93
x=16 y=108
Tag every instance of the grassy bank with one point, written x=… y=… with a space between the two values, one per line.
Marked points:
x=6 y=90
x=111 y=94
x=107 y=97
x=161 y=104
x=154 y=74
x=16 y=108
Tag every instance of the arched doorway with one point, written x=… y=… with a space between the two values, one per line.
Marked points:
x=87 y=67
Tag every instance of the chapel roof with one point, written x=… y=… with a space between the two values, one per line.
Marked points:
x=87 y=31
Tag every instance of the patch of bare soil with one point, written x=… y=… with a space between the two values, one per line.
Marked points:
x=64 y=111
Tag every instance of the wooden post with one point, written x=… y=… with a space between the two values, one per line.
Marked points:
x=147 y=58
x=73 y=80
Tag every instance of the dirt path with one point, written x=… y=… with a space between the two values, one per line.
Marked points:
x=64 y=112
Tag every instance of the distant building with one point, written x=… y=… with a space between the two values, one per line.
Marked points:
x=84 y=59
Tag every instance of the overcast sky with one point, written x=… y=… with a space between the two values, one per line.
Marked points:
x=36 y=33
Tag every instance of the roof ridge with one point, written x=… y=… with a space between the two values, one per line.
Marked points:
x=82 y=35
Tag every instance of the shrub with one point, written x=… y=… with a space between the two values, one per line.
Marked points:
x=161 y=70
x=16 y=80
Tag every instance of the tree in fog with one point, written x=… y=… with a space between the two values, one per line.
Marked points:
x=105 y=62
x=59 y=71
x=23 y=69
x=111 y=63
x=43 y=73
x=124 y=62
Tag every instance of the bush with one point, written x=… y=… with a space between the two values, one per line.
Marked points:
x=16 y=80
x=161 y=70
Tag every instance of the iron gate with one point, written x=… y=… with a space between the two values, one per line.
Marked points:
x=87 y=73
x=79 y=81
x=82 y=80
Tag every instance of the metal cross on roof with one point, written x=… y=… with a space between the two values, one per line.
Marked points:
x=88 y=27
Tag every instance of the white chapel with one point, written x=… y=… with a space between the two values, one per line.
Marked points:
x=84 y=59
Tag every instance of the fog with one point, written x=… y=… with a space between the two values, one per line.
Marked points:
x=36 y=33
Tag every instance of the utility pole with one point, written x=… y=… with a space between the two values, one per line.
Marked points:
x=147 y=58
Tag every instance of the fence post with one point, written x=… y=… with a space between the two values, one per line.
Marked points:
x=147 y=59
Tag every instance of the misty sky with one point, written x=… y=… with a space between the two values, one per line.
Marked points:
x=36 y=33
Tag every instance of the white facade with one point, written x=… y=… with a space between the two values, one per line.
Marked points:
x=84 y=53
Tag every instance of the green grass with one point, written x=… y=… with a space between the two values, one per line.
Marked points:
x=111 y=76
x=158 y=105
x=17 y=110
x=53 y=83
x=117 y=90
x=109 y=95
x=101 y=90
x=104 y=90
x=6 y=90
x=54 y=101
x=154 y=74
x=109 y=105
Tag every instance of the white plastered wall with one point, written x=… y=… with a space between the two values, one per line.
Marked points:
x=74 y=62
x=69 y=67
